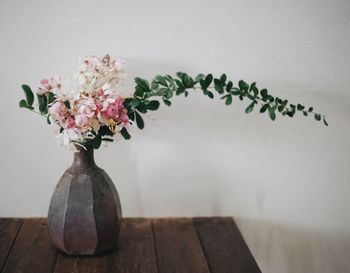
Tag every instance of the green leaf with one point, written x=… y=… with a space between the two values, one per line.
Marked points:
x=42 y=100
x=318 y=117
x=203 y=84
x=311 y=109
x=142 y=108
x=218 y=86
x=139 y=121
x=154 y=85
x=254 y=89
x=187 y=81
x=290 y=113
x=29 y=94
x=50 y=98
x=48 y=119
x=229 y=86
x=263 y=93
x=208 y=80
x=325 y=122
x=169 y=78
x=272 y=113
x=161 y=80
x=179 y=84
x=97 y=142
x=264 y=108
x=243 y=85
x=250 y=107
x=278 y=100
x=180 y=90
x=210 y=94
x=142 y=83
x=235 y=91
x=23 y=104
x=125 y=133
x=107 y=139
x=142 y=87
x=168 y=94
x=105 y=131
x=270 y=98
x=162 y=91
x=131 y=115
x=180 y=75
x=280 y=108
x=153 y=105
x=228 y=100
x=139 y=91
x=199 y=77
x=67 y=104
x=135 y=102
x=300 y=107
x=167 y=102
x=223 y=78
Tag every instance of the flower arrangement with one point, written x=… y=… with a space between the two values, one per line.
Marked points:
x=91 y=109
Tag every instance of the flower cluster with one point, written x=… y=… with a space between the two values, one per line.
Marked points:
x=91 y=103
x=91 y=109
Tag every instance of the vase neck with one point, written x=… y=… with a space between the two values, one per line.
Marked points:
x=83 y=158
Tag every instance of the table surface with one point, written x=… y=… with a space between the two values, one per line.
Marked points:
x=159 y=245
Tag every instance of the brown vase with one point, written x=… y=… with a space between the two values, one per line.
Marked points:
x=85 y=213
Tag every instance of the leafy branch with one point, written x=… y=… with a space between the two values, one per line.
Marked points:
x=43 y=102
x=166 y=87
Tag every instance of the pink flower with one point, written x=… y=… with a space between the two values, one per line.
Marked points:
x=44 y=81
x=115 y=110
x=53 y=85
x=70 y=122
x=124 y=118
x=93 y=99
x=81 y=120
x=112 y=111
x=119 y=101
x=59 y=111
x=99 y=106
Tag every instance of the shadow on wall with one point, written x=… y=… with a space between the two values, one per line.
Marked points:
x=281 y=248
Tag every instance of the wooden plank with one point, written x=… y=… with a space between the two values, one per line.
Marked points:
x=81 y=264
x=8 y=232
x=135 y=253
x=224 y=246
x=178 y=247
x=32 y=252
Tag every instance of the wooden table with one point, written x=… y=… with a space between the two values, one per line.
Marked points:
x=165 y=245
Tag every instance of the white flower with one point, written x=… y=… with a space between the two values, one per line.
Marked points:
x=89 y=101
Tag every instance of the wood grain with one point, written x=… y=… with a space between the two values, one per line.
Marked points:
x=81 y=264
x=32 y=252
x=224 y=246
x=135 y=253
x=178 y=247
x=167 y=245
x=8 y=232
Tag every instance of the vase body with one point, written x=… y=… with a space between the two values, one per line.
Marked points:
x=85 y=212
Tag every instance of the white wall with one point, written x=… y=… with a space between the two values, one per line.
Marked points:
x=287 y=183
